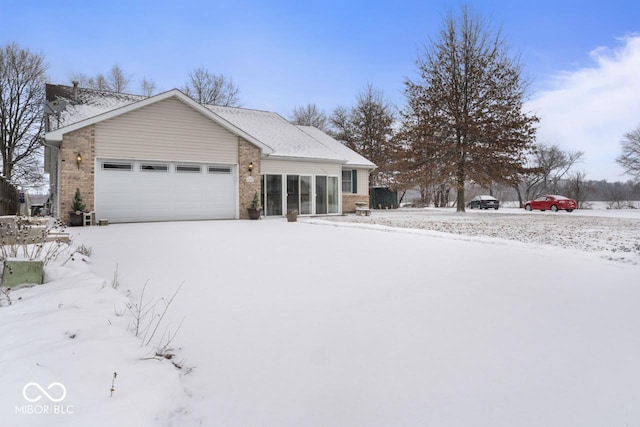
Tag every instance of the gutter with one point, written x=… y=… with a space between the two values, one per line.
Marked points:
x=304 y=159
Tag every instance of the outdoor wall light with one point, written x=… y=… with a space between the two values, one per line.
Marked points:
x=250 y=167
x=78 y=160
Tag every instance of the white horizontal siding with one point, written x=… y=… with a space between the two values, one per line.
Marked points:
x=296 y=167
x=167 y=130
x=363 y=182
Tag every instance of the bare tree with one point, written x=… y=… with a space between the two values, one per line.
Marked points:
x=578 y=188
x=465 y=114
x=213 y=89
x=22 y=94
x=98 y=82
x=147 y=87
x=549 y=166
x=367 y=128
x=117 y=80
x=82 y=79
x=342 y=126
x=309 y=115
x=630 y=157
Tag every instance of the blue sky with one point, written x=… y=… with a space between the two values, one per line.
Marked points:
x=284 y=54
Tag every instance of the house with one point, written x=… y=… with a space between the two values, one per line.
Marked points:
x=167 y=157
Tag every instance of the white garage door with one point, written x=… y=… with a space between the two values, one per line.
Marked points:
x=138 y=191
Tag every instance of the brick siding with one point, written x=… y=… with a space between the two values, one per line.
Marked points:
x=72 y=176
x=249 y=182
x=349 y=202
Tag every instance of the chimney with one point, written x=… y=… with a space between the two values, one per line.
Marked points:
x=75 y=90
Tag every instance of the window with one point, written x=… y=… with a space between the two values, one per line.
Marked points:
x=117 y=166
x=274 y=194
x=154 y=167
x=350 y=181
x=305 y=195
x=293 y=193
x=332 y=194
x=218 y=169
x=346 y=181
x=321 y=195
x=188 y=168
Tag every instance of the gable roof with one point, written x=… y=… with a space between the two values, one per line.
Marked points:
x=56 y=135
x=274 y=135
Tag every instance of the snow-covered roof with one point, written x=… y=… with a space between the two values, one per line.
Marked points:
x=276 y=137
x=287 y=140
x=352 y=158
x=85 y=103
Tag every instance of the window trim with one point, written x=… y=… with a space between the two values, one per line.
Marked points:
x=150 y=167
x=345 y=181
x=219 y=170
x=353 y=181
x=188 y=168
x=109 y=165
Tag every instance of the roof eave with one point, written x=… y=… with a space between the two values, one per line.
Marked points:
x=305 y=159
x=363 y=166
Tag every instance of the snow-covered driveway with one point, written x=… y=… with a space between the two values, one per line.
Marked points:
x=303 y=324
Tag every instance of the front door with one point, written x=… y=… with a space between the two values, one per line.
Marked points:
x=273 y=200
x=299 y=194
x=293 y=193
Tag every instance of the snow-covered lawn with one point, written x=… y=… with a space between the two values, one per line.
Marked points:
x=610 y=233
x=329 y=323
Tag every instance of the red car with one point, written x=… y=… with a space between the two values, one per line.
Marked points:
x=551 y=203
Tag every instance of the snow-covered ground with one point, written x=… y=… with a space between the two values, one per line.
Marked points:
x=461 y=319
x=610 y=233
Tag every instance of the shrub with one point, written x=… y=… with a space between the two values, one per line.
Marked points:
x=22 y=238
x=77 y=205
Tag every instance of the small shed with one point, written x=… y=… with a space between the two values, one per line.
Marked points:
x=383 y=198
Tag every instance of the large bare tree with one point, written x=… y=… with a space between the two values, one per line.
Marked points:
x=309 y=115
x=629 y=159
x=213 y=89
x=548 y=166
x=22 y=94
x=464 y=118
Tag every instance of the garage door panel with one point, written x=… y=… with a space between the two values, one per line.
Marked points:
x=135 y=196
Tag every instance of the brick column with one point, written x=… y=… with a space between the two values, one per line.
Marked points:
x=249 y=182
x=72 y=175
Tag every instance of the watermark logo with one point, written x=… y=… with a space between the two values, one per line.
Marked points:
x=37 y=397
x=44 y=400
